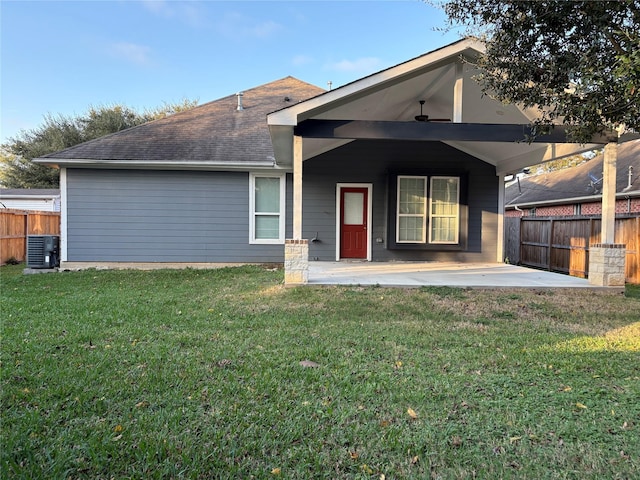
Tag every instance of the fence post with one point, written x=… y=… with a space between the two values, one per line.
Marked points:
x=26 y=234
x=551 y=225
x=518 y=259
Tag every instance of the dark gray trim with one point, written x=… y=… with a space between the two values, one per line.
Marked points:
x=436 y=131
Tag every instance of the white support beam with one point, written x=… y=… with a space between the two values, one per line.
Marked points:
x=297 y=187
x=63 y=215
x=609 y=193
x=457 y=94
x=500 y=239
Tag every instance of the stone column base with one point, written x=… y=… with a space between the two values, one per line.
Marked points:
x=607 y=264
x=296 y=262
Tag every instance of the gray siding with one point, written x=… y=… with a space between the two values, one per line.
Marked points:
x=373 y=162
x=163 y=216
x=175 y=216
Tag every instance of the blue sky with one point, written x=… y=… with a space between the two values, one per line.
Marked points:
x=61 y=57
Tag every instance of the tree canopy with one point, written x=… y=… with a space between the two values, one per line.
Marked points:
x=59 y=132
x=579 y=60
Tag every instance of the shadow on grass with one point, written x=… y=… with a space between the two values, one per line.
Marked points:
x=632 y=291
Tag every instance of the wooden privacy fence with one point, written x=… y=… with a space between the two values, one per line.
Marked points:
x=15 y=225
x=562 y=244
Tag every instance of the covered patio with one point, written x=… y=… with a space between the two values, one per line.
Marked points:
x=443 y=274
x=365 y=139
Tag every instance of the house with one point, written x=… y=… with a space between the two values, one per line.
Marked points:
x=405 y=164
x=577 y=190
x=41 y=199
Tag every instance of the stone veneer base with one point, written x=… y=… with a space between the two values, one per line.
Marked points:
x=296 y=262
x=607 y=264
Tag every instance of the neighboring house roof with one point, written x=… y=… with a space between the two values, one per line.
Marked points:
x=47 y=199
x=577 y=182
x=216 y=133
x=29 y=192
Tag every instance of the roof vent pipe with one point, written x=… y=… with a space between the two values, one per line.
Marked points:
x=629 y=180
x=239 y=95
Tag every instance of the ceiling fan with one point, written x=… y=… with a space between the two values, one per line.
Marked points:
x=425 y=118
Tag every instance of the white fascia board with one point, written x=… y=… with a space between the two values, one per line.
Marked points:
x=306 y=109
x=29 y=197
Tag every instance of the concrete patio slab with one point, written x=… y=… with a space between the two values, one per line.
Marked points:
x=419 y=274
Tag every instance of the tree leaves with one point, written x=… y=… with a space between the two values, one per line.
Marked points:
x=58 y=132
x=579 y=60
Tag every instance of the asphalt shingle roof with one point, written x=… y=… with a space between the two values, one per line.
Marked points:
x=575 y=181
x=215 y=132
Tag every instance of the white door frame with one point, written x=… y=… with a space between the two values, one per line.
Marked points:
x=339 y=187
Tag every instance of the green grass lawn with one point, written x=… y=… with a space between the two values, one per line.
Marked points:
x=197 y=374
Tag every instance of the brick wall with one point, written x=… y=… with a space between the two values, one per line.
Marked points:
x=555 y=211
x=513 y=213
x=623 y=206
x=594 y=208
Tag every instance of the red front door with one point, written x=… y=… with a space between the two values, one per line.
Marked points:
x=353 y=222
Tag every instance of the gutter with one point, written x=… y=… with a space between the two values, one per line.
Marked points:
x=159 y=164
x=30 y=197
x=563 y=201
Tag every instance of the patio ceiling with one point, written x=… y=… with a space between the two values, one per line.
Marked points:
x=447 y=85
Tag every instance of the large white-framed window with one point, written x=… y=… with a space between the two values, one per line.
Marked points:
x=411 y=226
x=427 y=215
x=266 y=208
x=444 y=210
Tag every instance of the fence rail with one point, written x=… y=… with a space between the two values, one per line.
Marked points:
x=15 y=225
x=562 y=244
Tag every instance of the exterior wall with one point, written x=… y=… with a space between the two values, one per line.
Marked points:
x=372 y=162
x=163 y=216
x=38 y=204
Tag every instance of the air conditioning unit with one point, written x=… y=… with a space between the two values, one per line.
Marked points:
x=43 y=251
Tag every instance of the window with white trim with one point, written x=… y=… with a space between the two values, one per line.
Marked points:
x=444 y=211
x=442 y=217
x=267 y=207
x=412 y=209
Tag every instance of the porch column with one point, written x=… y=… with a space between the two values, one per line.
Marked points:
x=296 y=250
x=609 y=192
x=500 y=240
x=297 y=187
x=607 y=259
